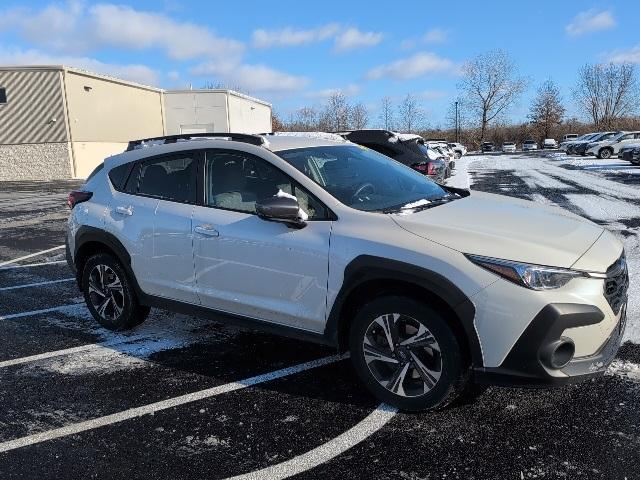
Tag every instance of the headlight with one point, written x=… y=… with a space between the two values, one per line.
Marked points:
x=535 y=277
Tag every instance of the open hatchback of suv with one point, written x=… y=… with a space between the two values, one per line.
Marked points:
x=432 y=289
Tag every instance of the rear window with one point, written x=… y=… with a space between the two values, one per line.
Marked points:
x=118 y=175
x=172 y=177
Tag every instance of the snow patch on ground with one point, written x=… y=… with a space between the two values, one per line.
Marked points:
x=625 y=369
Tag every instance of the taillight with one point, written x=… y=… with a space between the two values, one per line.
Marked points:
x=78 y=196
x=421 y=167
x=431 y=169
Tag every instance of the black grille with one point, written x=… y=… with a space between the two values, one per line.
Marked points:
x=616 y=284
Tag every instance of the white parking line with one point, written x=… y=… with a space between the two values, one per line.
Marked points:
x=29 y=265
x=62 y=308
x=72 y=350
x=322 y=454
x=79 y=427
x=31 y=255
x=37 y=284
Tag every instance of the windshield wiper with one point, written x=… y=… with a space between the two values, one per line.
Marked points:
x=422 y=204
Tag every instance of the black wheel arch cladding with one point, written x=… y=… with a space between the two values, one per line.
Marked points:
x=366 y=269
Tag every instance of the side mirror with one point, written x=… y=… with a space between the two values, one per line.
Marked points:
x=280 y=209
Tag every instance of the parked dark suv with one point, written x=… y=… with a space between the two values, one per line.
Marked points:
x=487 y=146
x=408 y=149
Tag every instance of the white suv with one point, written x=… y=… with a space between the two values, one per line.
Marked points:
x=432 y=289
x=609 y=147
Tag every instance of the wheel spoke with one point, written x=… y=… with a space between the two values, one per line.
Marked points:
x=93 y=287
x=374 y=353
x=117 y=310
x=422 y=338
x=395 y=383
x=390 y=329
x=101 y=273
x=429 y=377
x=103 y=306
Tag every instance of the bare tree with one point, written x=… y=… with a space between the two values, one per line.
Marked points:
x=547 y=110
x=358 y=116
x=306 y=119
x=386 y=113
x=335 y=115
x=277 y=125
x=409 y=114
x=607 y=92
x=490 y=85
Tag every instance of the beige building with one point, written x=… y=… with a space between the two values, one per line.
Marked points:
x=58 y=122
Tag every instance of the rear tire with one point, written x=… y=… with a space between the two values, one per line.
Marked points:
x=422 y=368
x=109 y=294
x=605 y=153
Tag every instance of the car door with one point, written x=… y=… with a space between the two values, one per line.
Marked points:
x=160 y=197
x=248 y=266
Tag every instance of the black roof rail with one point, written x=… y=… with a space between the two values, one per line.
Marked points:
x=236 y=137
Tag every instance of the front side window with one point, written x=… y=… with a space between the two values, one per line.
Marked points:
x=361 y=178
x=236 y=181
x=171 y=177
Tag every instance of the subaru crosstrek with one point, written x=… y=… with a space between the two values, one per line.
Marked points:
x=432 y=289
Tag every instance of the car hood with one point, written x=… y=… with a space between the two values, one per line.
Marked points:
x=505 y=227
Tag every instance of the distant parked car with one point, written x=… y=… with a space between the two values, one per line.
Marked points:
x=459 y=149
x=549 y=143
x=608 y=147
x=529 y=145
x=635 y=156
x=487 y=147
x=626 y=153
x=509 y=147
x=569 y=136
x=568 y=146
x=408 y=149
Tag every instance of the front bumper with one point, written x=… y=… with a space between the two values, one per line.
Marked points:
x=527 y=364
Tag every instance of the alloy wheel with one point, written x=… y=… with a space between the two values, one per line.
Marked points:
x=402 y=355
x=106 y=292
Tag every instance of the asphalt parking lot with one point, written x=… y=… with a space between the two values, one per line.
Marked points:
x=182 y=397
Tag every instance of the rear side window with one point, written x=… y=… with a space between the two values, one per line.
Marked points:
x=118 y=175
x=171 y=177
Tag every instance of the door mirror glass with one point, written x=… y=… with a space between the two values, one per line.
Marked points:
x=280 y=208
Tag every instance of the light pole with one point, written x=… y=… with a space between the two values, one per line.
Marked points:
x=456 y=122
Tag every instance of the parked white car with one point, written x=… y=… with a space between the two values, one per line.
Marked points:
x=549 y=143
x=429 y=287
x=607 y=148
x=566 y=144
x=509 y=147
x=459 y=149
x=529 y=145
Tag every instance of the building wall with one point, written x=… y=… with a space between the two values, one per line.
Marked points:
x=248 y=116
x=35 y=161
x=104 y=115
x=195 y=112
x=33 y=131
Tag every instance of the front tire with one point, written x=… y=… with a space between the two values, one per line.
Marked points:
x=605 y=153
x=407 y=355
x=109 y=294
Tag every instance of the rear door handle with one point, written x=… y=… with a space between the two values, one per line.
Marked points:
x=128 y=211
x=207 y=230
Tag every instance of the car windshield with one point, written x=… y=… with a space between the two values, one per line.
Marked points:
x=605 y=136
x=529 y=142
x=363 y=179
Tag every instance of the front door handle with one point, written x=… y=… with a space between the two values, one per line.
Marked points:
x=128 y=211
x=207 y=230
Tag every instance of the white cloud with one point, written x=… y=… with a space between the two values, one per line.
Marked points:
x=133 y=72
x=435 y=35
x=350 y=90
x=353 y=38
x=590 y=21
x=73 y=28
x=625 y=56
x=432 y=94
x=421 y=63
x=252 y=78
x=290 y=37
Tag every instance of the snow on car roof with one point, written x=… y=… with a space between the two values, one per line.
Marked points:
x=289 y=140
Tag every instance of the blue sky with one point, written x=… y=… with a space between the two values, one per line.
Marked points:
x=294 y=53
